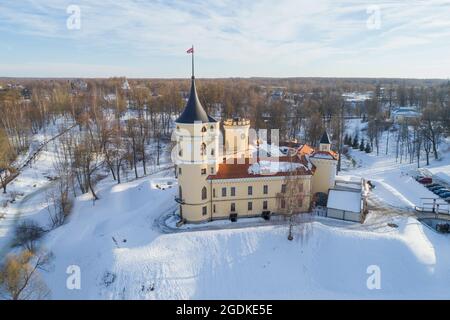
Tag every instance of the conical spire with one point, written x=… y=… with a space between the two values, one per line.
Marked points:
x=325 y=138
x=194 y=112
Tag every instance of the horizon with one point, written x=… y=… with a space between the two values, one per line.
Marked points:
x=283 y=39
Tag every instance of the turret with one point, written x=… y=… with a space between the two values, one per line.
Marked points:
x=236 y=137
x=325 y=161
x=325 y=143
x=197 y=153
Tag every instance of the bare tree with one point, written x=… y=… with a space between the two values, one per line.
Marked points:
x=7 y=156
x=27 y=234
x=20 y=278
x=290 y=199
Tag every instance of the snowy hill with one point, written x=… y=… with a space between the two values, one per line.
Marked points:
x=123 y=254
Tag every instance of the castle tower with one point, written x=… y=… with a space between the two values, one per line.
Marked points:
x=236 y=137
x=197 y=139
x=325 y=143
x=325 y=161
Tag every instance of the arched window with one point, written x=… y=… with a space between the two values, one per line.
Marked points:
x=204 y=129
x=203 y=149
x=212 y=151
x=204 y=194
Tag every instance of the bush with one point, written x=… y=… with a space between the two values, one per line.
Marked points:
x=368 y=149
x=27 y=234
x=355 y=144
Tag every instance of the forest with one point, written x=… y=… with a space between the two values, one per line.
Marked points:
x=117 y=125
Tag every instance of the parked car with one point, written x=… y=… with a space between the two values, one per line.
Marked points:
x=444 y=194
x=432 y=185
x=434 y=189
x=425 y=180
x=447 y=199
x=441 y=191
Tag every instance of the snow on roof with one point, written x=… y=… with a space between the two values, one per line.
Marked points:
x=323 y=156
x=405 y=111
x=270 y=167
x=344 y=200
x=357 y=96
x=266 y=149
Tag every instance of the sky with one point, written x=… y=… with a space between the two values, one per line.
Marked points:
x=232 y=38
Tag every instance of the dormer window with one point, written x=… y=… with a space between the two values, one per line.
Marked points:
x=204 y=129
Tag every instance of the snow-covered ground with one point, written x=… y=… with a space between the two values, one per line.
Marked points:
x=28 y=189
x=124 y=253
x=395 y=183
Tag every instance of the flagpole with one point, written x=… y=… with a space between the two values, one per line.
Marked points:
x=193 y=62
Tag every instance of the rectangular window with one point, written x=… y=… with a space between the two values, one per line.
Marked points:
x=233 y=207
x=283 y=188
x=212 y=170
x=266 y=189
x=224 y=192
x=204 y=211
x=214 y=192
x=179 y=171
x=203 y=171
x=265 y=205
x=250 y=206
x=283 y=204
x=300 y=187
x=250 y=190
x=300 y=203
x=214 y=208
x=233 y=191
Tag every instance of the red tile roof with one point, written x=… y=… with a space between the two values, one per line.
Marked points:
x=308 y=150
x=241 y=170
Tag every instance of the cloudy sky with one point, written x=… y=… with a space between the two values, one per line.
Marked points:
x=232 y=38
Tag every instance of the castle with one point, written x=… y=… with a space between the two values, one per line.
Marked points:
x=231 y=179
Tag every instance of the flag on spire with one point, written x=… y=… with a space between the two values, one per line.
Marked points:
x=191 y=51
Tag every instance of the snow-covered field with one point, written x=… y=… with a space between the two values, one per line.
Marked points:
x=124 y=252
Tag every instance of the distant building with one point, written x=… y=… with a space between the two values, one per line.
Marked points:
x=110 y=97
x=126 y=85
x=405 y=113
x=277 y=95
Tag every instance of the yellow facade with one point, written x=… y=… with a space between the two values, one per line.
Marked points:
x=231 y=196
x=204 y=196
x=236 y=137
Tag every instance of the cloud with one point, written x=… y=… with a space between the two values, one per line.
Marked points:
x=280 y=37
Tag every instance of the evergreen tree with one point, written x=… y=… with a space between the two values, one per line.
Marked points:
x=355 y=144
x=368 y=149
x=361 y=146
